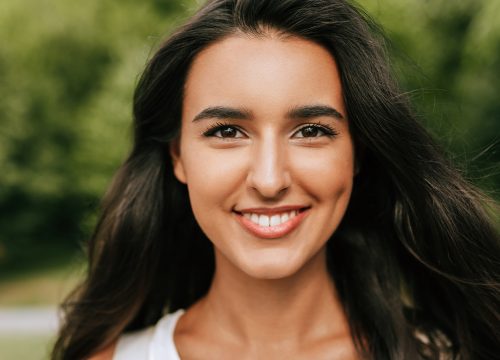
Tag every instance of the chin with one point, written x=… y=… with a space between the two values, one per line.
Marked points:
x=270 y=270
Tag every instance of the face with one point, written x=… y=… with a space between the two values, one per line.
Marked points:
x=265 y=151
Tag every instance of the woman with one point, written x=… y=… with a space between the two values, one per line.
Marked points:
x=281 y=201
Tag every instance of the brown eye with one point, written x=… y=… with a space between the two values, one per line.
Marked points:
x=313 y=131
x=228 y=132
x=309 y=131
x=224 y=132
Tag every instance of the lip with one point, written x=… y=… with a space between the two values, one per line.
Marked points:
x=272 y=232
x=272 y=211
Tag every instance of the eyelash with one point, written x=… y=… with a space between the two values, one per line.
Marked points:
x=214 y=128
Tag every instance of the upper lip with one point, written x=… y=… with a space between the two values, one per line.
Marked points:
x=273 y=210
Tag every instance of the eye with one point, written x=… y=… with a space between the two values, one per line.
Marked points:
x=223 y=131
x=315 y=130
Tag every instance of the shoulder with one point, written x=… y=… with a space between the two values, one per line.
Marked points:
x=134 y=345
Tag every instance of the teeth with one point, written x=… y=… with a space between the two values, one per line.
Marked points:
x=284 y=217
x=254 y=218
x=264 y=220
x=274 y=220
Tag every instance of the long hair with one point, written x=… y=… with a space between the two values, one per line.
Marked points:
x=415 y=259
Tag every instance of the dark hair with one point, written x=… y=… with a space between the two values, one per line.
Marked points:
x=415 y=259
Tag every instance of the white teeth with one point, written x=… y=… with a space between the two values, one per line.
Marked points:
x=255 y=218
x=264 y=220
x=274 y=220
x=284 y=217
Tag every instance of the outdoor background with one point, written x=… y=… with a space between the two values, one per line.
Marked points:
x=67 y=73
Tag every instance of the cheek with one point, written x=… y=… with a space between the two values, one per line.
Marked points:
x=212 y=178
x=326 y=174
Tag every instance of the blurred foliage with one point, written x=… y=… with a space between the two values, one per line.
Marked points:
x=447 y=56
x=67 y=72
x=29 y=346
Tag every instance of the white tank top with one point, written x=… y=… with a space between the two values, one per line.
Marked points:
x=153 y=343
x=157 y=342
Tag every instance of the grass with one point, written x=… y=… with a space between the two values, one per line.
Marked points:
x=25 y=347
x=45 y=287
x=42 y=288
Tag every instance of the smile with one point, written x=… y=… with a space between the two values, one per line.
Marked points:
x=271 y=226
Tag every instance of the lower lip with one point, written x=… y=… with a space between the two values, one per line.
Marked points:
x=271 y=232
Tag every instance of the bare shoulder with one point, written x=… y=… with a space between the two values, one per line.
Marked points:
x=106 y=353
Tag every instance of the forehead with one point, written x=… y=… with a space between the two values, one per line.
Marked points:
x=264 y=71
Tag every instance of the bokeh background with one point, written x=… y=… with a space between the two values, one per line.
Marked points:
x=67 y=73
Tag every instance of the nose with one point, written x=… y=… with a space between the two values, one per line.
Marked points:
x=269 y=175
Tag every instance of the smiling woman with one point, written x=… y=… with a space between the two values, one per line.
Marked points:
x=269 y=140
x=281 y=201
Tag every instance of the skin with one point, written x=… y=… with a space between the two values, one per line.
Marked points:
x=270 y=298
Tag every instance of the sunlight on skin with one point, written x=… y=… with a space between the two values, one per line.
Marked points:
x=249 y=153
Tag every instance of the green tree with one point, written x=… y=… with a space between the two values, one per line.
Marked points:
x=68 y=69
x=67 y=72
x=447 y=56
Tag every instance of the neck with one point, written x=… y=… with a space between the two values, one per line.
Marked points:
x=301 y=307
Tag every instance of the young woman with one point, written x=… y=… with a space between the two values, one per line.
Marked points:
x=281 y=201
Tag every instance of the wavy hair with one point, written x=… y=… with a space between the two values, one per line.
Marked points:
x=415 y=259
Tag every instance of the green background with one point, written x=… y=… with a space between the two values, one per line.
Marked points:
x=68 y=69
x=67 y=73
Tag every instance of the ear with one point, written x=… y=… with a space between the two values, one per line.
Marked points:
x=177 y=164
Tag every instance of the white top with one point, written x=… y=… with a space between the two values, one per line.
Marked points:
x=157 y=342
x=153 y=343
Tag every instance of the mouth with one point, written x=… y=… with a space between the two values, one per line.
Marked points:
x=271 y=224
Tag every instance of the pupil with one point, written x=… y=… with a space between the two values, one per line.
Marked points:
x=228 y=132
x=310 y=131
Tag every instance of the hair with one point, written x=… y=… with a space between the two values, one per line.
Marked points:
x=415 y=259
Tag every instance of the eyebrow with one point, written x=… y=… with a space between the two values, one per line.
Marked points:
x=297 y=113
x=223 y=112
x=312 y=111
